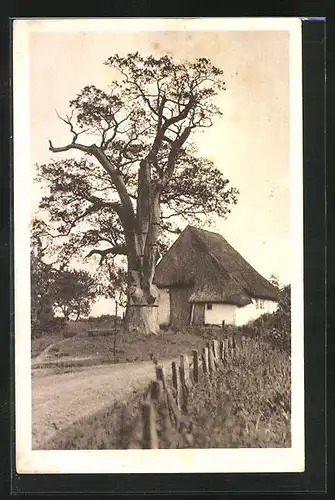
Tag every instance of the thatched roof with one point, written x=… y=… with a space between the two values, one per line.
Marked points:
x=220 y=292
x=217 y=272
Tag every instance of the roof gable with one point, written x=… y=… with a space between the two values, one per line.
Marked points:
x=206 y=260
x=236 y=266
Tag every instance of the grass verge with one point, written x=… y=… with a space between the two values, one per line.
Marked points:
x=166 y=345
x=246 y=404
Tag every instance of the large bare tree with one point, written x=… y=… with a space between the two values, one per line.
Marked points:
x=139 y=170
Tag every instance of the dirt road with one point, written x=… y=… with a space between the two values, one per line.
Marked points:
x=59 y=400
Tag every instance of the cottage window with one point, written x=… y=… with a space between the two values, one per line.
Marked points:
x=209 y=307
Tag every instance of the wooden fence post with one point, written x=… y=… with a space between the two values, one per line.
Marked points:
x=216 y=352
x=174 y=410
x=115 y=330
x=216 y=349
x=184 y=370
x=226 y=348
x=231 y=346
x=211 y=365
x=176 y=383
x=205 y=360
x=161 y=375
x=184 y=379
x=221 y=355
x=195 y=366
x=156 y=389
x=150 y=440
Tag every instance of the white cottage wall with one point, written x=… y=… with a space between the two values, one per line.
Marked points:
x=251 y=312
x=164 y=307
x=234 y=315
x=219 y=313
x=270 y=306
x=247 y=313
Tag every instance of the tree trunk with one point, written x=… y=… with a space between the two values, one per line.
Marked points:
x=141 y=319
x=141 y=314
x=66 y=313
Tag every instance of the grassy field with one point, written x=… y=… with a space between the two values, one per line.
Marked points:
x=128 y=349
x=247 y=404
x=38 y=345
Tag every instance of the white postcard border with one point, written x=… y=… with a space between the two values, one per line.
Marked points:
x=30 y=461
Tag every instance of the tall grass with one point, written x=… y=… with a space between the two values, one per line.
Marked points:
x=245 y=404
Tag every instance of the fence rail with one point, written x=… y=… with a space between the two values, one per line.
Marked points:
x=173 y=391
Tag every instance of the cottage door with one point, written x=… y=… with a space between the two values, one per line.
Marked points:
x=199 y=314
x=180 y=305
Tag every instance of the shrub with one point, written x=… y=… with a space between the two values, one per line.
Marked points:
x=105 y=319
x=276 y=327
x=230 y=331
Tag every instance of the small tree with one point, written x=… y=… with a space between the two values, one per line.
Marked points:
x=276 y=327
x=55 y=286
x=74 y=292
x=275 y=281
x=284 y=307
x=42 y=277
x=113 y=282
x=41 y=302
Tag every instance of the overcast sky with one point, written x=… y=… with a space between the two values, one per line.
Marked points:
x=250 y=143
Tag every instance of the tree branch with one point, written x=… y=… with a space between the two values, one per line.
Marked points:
x=178 y=143
x=181 y=116
x=163 y=128
x=116 y=177
x=68 y=122
x=181 y=213
x=167 y=139
x=114 y=173
x=105 y=143
x=116 y=250
x=81 y=147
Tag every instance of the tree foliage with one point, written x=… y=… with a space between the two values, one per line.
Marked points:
x=74 y=293
x=42 y=278
x=150 y=112
x=42 y=317
x=139 y=174
x=284 y=307
x=275 y=281
x=56 y=288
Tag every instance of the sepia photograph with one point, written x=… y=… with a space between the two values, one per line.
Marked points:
x=158 y=245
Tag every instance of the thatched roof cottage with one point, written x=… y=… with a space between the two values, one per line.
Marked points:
x=203 y=280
